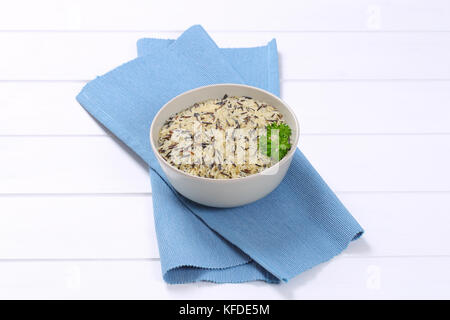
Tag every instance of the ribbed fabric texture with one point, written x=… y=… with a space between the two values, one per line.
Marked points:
x=257 y=65
x=299 y=225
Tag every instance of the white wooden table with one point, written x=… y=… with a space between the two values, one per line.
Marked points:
x=370 y=80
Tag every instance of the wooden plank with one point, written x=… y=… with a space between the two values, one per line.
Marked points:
x=284 y=16
x=101 y=165
x=381 y=163
x=386 y=107
x=50 y=108
x=77 y=227
x=63 y=56
x=358 y=278
x=371 y=56
x=400 y=224
x=121 y=226
x=44 y=108
x=69 y=165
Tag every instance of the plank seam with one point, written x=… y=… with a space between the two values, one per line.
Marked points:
x=285 y=80
x=343 y=134
x=97 y=260
x=148 y=194
x=301 y=31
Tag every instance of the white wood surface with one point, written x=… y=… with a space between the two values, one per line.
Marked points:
x=369 y=80
x=356 y=278
x=380 y=107
x=284 y=15
x=303 y=55
x=101 y=165
x=114 y=227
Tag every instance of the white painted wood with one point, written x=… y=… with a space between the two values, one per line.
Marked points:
x=44 y=108
x=284 y=15
x=69 y=165
x=83 y=56
x=77 y=227
x=369 y=80
x=346 y=56
x=63 y=56
x=116 y=227
x=50 y=108
x=101 y=165
x=355 y=107
x=341 y=278
x=381 y=163
x=400 y=224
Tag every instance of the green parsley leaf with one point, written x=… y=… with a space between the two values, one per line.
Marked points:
x=280 y=142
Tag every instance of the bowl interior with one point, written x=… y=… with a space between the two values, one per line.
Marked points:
x=188 y=98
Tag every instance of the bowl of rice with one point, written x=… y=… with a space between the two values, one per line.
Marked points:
x=225 y=145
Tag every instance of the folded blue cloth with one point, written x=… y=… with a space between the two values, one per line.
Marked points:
x=258 y=65
x=297 y=226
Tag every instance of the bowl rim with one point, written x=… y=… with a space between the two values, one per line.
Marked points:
x=253 y=176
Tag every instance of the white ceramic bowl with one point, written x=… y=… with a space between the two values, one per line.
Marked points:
x=224 y=192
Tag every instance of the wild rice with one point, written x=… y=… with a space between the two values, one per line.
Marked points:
x=203 y=139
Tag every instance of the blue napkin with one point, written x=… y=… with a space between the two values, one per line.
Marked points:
x=257 y=65
x=299 y=225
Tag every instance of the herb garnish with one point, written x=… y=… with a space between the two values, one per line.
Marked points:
x=283 y=147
